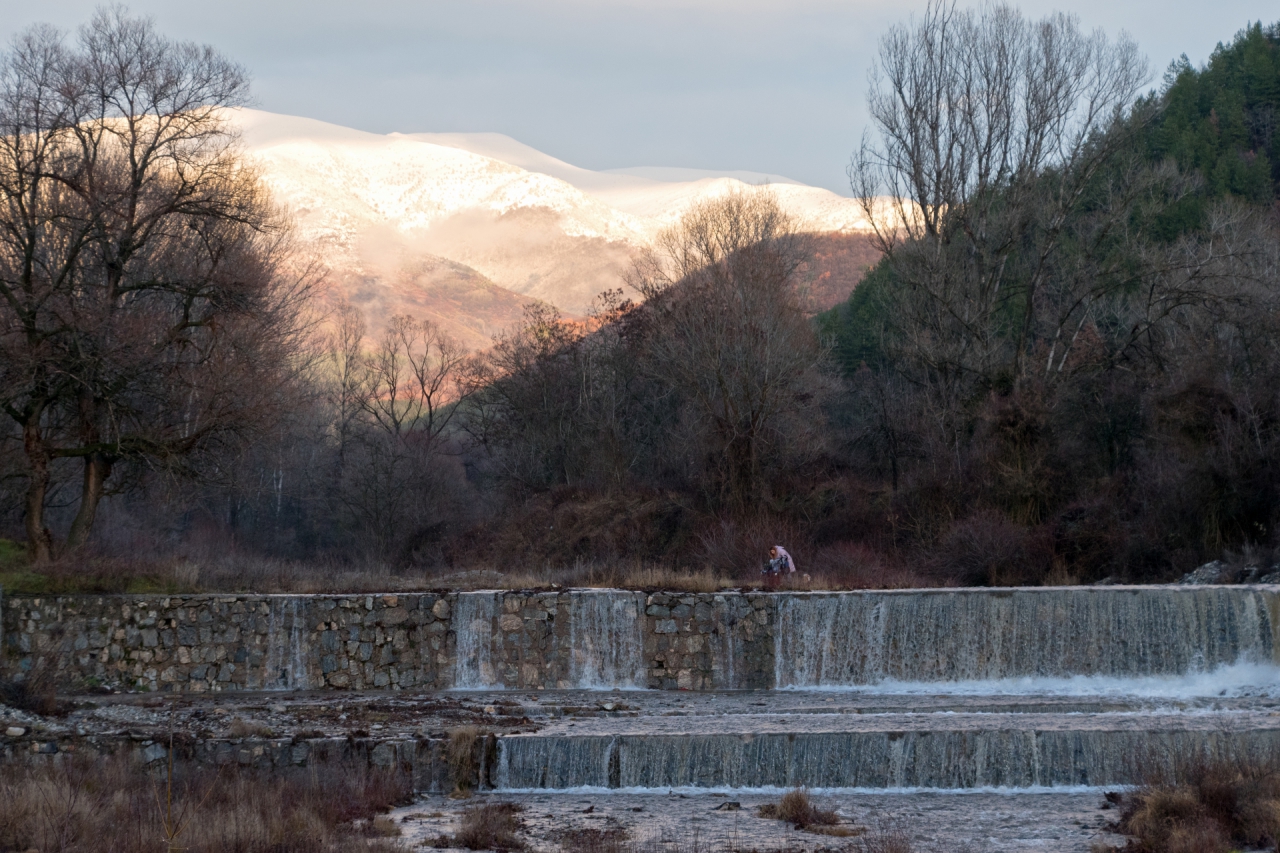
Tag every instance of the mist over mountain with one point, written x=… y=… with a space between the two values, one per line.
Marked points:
x=467 y=228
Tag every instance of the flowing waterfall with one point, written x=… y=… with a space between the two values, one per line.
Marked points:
x=285 y=665
x=1002 y=755
x=474 y=614
x=606 y=644
x=850 y=639
x=727 y=647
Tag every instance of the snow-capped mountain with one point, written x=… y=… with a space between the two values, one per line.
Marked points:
x=380 y=209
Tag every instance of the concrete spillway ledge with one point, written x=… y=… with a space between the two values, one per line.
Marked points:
x=877 y=751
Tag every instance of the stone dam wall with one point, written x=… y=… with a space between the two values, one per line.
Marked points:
x=481 y=640
x=614 y=638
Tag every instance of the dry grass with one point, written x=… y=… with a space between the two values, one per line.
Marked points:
x=888 y=836
x=247 y=573
x=1214 y=808
x=796 y=809
x=650 y=577
x=460 y=756
x=492 y=826
x=612 y=839
x=113 y=806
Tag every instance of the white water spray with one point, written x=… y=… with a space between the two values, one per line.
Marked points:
x=606 y=643
x=473 y=619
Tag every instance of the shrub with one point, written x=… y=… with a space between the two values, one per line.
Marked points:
x=36 y=691
x=886 y=837
x=1216 y=807
x=796 y=809
x=492 y=826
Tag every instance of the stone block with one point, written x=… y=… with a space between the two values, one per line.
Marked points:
x=393 y=616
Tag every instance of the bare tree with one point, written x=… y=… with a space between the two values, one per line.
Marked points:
x=415 y=380
x=394 y=477
x=730 y=336
x=992 y=131
x=347 y=375
x=524 y=409
x=147 y=307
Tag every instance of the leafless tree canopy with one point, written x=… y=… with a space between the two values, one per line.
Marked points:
x=713 y=381
x=990 y=130
x=971 y=103
x=389 y=407
x=730 y=336
x=145 y=313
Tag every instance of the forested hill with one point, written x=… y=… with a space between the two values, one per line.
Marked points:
x=1073 y=355
x=1219 y=123
x=1220 y=120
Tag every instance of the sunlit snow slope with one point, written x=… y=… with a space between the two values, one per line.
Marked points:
x=502 y=222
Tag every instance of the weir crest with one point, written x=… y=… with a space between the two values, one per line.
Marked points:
x=964 y=688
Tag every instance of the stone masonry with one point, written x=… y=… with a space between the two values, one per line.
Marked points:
x=231 y=642
x=210 y=643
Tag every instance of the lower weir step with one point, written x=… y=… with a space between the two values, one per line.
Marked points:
x=879 y=750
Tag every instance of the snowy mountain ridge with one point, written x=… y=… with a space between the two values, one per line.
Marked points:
x=371 y=204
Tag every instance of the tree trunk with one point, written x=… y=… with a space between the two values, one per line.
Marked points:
x=39 y=541
x=97 y=468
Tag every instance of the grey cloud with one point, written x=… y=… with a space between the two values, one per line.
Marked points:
x=734 y=84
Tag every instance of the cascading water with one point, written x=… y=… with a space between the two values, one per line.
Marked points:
x=606 y=643
x=727 y=647
x=878 y=751
x=473 y=619
x=285 y=664
x=852 y=639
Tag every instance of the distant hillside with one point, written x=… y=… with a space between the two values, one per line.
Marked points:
x=840 y=261
x=465 y=304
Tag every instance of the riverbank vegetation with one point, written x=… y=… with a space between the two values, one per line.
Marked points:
x=119 y=806
x=1063 y=368
x=1214 y=807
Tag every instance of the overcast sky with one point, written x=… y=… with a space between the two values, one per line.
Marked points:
x=766 y=85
